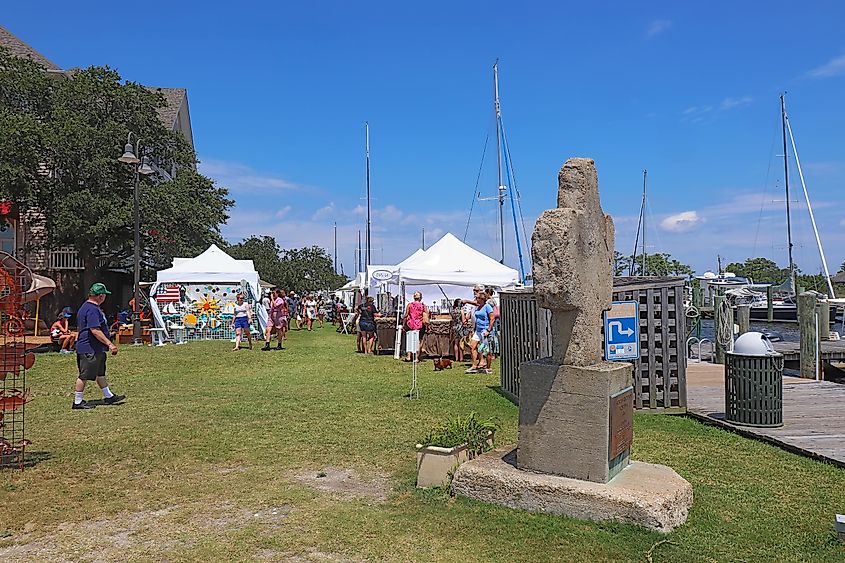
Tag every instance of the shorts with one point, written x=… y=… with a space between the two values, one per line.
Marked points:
x=278 y=322
x=477 y=336
x=91 y=366
x=242 y=322
x=367 y=326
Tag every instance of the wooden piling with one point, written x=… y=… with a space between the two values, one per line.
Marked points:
x=809 y=337
x=770 y=307
x=824 y=319
x=720 y=349
x=743 y=316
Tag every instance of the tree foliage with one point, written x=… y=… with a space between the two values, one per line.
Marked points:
x=60 y=138
x=298 y=269
x=760 y=270
x=661 y=264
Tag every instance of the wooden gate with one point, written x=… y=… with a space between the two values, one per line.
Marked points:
x=524 y=336
x=659 y=373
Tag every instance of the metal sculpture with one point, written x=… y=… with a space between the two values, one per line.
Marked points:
x=16 y=282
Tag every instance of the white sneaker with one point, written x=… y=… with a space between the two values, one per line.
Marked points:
x=65 y=352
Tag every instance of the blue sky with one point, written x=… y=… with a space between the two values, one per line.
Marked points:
x=279 y=93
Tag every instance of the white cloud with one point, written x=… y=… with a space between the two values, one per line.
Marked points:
x=325 y=212
x=680 y=222
x=241 y=178
x=730 y=103
x=283 y=211
x=833 y=67
x=657 y=27
x=842 y=223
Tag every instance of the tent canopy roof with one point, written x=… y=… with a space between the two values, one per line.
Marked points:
x=213 y=265
x=452 y=261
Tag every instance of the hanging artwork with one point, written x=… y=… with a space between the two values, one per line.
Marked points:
x=204 y=312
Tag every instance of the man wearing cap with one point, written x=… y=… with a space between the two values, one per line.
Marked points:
x=91 y=346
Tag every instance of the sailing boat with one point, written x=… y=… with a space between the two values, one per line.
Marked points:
x=784 y=306
x=504 y=172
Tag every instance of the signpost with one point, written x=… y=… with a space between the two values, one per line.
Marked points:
x=622 y=331
x=412 y=342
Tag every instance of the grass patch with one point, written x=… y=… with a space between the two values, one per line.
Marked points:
x=272 y=455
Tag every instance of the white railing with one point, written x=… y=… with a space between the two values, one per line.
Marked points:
x=66 y=258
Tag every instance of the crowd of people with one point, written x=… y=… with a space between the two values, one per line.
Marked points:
x=286 y=309
x=474 y=327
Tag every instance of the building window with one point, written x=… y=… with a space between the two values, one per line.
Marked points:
x=7 y=235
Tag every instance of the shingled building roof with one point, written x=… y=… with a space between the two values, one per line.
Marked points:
x=173 y=97
x=20 y=49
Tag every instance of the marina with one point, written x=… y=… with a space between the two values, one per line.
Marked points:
x=813 y=412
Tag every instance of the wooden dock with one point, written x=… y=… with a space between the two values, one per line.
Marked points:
x=813 y=413
x=831 y=351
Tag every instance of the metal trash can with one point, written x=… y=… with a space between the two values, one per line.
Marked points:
x=754 y=382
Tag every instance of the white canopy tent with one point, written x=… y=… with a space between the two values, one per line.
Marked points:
x=450 y=268
x=381 y=277
x=211 y=267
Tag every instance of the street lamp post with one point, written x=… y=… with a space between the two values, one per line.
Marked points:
x=129 y=157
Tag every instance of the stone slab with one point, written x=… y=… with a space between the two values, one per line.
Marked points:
x=564 y=417
x=650 y=495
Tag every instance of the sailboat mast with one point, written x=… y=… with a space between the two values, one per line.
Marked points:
x=786 y=183
x=499 y=157
x=367 y=127
x=645 y=175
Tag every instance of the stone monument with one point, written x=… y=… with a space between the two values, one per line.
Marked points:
x=576 y=410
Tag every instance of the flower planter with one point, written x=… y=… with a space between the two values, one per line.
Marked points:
x=434 y=463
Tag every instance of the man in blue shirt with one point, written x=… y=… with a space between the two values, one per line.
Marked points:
x=92 y=345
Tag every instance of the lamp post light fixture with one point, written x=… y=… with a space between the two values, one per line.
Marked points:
x=130 y=156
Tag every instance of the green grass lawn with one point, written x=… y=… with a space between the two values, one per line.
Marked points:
x=207 y=458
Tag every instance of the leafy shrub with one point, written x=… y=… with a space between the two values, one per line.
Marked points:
x=469 y=430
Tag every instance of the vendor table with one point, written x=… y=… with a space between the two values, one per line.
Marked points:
x=437 y=338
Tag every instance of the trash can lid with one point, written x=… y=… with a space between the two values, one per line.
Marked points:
x=754 y=344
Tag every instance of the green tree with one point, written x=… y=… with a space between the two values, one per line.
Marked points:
x=621 y=264
x=70 y=131
x=661 y=264
x=298 y=269
x=308 y=269
x=265 y=254
x=761 y=270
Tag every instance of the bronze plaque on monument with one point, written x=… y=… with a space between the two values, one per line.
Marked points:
x=621 y=422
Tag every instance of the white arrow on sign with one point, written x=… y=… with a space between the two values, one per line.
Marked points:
x=618 y=325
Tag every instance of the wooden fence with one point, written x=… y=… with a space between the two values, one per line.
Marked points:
x=659 y=373
x=524 y=336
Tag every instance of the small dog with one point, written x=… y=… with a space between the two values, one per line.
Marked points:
x=442 y=363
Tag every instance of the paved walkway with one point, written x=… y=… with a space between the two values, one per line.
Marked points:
x=813 y=413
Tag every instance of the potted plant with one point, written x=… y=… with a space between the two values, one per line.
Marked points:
x=450 y=444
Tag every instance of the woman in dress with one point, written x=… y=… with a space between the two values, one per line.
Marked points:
x=243 y=322
x=414 y=313
x=310 y=309
x=367 y=324
x=278 y=319
x=457 y=329
x=478 y=342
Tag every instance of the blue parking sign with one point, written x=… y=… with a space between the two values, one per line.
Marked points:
x=622 y=331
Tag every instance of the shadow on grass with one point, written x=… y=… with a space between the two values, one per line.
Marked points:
x=31 y=459
x=499 y=391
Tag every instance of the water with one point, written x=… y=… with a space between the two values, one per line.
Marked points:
x=788 y=331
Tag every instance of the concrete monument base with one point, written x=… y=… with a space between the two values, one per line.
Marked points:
x=650 y=495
